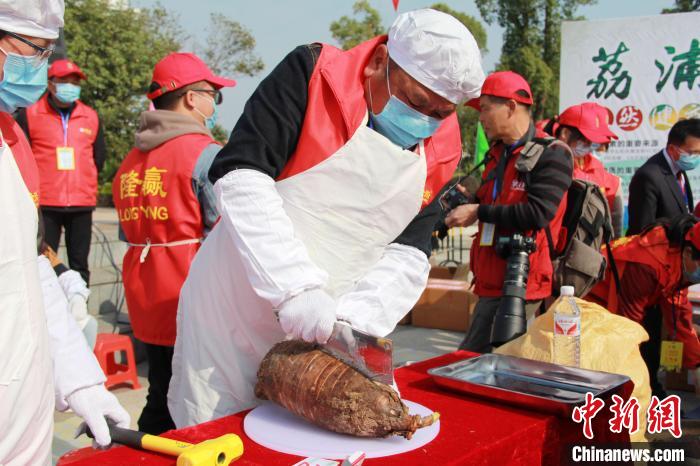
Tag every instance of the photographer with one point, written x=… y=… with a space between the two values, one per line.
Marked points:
x=511 y=201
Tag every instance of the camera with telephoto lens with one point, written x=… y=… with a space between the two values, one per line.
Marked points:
x=510 y=321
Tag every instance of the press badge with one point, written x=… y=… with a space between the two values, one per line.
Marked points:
x=65 y=158
x=487 y=232
x=671 y=355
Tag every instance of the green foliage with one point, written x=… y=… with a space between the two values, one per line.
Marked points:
x=117 y=48
x=220 y=134
x=229 y=48
x=531 y=44
x=683 y=6
x=350 y=32
x=470 y=22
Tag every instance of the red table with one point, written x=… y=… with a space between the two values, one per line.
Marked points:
x=473 y=431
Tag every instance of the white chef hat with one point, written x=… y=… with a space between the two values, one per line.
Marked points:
x=36 y=18
x=438 y=51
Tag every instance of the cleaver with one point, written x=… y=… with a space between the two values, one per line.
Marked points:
x=371 y=356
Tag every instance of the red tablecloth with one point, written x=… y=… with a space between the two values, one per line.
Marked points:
x=473 y=431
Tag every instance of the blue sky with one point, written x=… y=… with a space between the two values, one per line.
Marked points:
x=279 y=26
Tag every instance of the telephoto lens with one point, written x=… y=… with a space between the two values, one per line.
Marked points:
x=510 y=321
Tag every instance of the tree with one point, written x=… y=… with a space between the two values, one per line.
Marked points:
x=229 y=48
x=350 y=32
x=532 y=43
x=117 y=48
x=683 y=6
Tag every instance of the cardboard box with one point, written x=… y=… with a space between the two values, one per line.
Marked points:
x=445 y=273
x=679 y=381
x=445 y=304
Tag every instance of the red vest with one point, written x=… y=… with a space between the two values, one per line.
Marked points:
x=487 y=265
x=336 y=107
x=64 y=188
x=16 y=139
x=156 y=203
x=593 y=170
x=651 y=249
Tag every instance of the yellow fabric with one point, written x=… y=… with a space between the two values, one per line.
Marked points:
x=609 y=343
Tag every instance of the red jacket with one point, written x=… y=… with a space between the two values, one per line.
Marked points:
x=22 y=152
x=64 y=187
x=336 y=107
x=487 y=265
x=650 y=275
x=593 y=170
x=156 y=203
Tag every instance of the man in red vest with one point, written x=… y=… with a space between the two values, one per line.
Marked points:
x=166 y=206
x=326 y=190
x=511 y=201
x=655 y=268
x=584 y=128
x=67 y=141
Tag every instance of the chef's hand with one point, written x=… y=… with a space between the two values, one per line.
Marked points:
x=462 y=216
x=93 y=404
x=309 y=316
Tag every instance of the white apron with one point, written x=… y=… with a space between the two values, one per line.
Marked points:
x=345 y=210
x=26 y=381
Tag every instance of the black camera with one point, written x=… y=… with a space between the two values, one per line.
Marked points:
x=510 y=321
x=453 y=198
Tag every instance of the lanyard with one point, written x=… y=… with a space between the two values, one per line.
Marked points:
x=64 y=122
x=501 y=169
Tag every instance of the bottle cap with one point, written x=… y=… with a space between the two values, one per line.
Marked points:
x=566 y=291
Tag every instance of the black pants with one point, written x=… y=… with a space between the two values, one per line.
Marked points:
x=651 y=350
x=155 y=417
x=78 y=228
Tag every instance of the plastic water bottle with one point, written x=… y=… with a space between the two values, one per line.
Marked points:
x=567 y=329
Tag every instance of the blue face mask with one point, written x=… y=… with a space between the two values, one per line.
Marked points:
x=67 y=92
x=209 y=121
x=688 y=162
x=401 y=124
x=22 y=82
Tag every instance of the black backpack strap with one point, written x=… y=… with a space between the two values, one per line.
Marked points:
x=552 y=251
x=613 y=266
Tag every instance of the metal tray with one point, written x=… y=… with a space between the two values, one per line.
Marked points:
x=536 y=385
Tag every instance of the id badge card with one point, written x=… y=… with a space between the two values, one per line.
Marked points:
x=488 y=230
x=65 y=158
x=671 y=355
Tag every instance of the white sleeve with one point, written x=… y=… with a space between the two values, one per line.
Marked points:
x=381 y=298
x=74 y=364
x=73 y=284
x=276 y=262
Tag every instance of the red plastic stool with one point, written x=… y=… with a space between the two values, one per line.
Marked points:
x=106 y=346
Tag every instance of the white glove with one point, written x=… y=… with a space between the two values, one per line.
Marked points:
x=93 y=404
x=309 y=315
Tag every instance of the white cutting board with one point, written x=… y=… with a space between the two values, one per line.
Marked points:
x=278 y=429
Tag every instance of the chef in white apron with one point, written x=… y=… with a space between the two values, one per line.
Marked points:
x=45 y=360
x=332 y=167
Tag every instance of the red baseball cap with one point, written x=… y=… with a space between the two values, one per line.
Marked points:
x=504 y=84
x=63 y=67
x=590 y=120
x=693 y=236
x=605 y=114
x=178 y=70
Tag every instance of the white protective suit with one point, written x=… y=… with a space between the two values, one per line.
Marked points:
x=278 y=239
x=26 y=377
